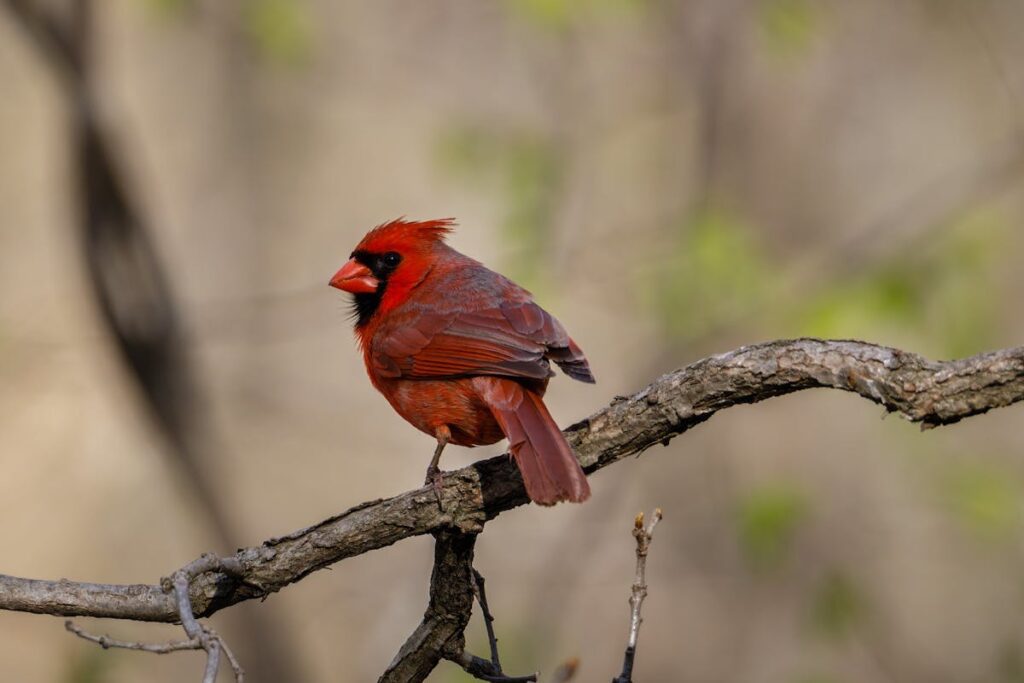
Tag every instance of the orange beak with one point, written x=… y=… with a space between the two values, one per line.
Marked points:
x=356 y=278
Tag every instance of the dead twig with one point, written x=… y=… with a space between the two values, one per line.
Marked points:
x=106 y=642
x=481 y=597
x=206 y=638
x=200 y=637
x=477 y=666
x=643 y=536
x=484 y=670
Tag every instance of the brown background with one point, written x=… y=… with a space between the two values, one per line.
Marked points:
x=671 y=179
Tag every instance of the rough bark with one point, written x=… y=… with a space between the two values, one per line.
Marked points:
x=440 y=634
x=928 y=392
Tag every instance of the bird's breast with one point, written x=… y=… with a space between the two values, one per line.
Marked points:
x=429 y=404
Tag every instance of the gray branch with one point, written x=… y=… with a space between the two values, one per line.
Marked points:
x=928 y=392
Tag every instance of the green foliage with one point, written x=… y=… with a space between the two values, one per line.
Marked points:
x=715 y=272
x=768 y=521
x=940 y=298
x=525 y=170
x=1011 y=664
x=555 y=14
x=281 y=29
x=837 y=606
x=531 y=172
x=942 y=295
x=169 y=7
x=90 y=664
x=964 y=296
x=465 y=150
x=560 y=14
x=890 y=295
x=987 y=499
x=789 y=26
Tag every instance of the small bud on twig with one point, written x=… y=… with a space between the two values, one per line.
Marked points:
x=643 y=536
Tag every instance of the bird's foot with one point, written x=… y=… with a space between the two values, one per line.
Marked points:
x=435 y=479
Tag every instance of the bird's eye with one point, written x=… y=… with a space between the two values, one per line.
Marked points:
x=391 y=259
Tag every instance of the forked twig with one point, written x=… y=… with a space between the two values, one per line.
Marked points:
x=478 y=667
x=484 y=670
x=200 y=637
x=106 y=642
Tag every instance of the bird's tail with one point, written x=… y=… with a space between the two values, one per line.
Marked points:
x=550 y=470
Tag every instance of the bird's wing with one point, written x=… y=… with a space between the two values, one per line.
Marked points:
x=514 y=339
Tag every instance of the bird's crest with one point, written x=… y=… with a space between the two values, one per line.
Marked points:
x=401 y=231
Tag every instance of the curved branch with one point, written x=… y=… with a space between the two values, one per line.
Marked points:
x=928 y=392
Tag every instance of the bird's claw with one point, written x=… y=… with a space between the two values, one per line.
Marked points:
x=435 y=479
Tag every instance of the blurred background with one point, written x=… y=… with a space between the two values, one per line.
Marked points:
x=180 y=178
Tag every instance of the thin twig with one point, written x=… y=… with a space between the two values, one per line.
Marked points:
x=212 y=663
x=212 y=660
x=236 y=666
x=106 y=642
x=643 y=536
x=214 y=647
x=481 y=597
x=478 y=667
x=200 y=637
x=208 y=640
x=484 y=670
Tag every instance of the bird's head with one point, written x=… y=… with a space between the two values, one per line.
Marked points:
x=389 y=261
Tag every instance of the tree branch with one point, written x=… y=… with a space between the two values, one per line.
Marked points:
x=200 y=637
x=53 y=37
x=930 y=393
x=440 y=634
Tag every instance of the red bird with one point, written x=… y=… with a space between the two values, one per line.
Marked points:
x=463 y=353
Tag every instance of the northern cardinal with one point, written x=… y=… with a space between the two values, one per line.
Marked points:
x=461 y=352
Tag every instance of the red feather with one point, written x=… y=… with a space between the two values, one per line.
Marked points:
x=458 y=348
